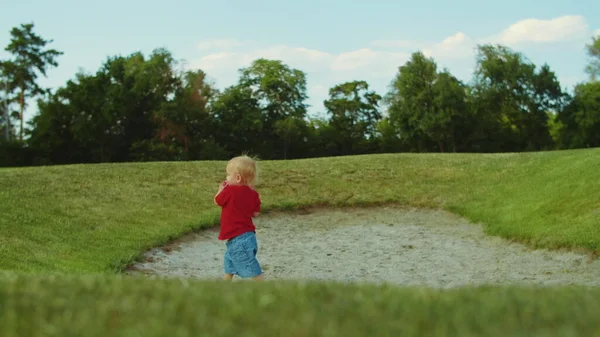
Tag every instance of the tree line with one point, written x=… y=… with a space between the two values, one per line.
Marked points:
x=148 y=108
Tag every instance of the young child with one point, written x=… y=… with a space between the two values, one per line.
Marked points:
x=239 y=204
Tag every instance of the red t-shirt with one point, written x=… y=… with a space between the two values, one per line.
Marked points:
x=238 y=204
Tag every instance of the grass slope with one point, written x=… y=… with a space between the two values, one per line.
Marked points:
x=96 y=218
x=86 y=221
x=111 y=306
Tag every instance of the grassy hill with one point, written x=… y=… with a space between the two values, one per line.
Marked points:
x=96 y=218
x=91 y=220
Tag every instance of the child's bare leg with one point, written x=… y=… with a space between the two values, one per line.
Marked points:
x=259 y=278
x=228 y=277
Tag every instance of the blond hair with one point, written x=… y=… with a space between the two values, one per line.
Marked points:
x=246 y=167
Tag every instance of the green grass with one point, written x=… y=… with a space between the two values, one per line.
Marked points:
x=96 y=218
x=110 y=306
x=85 y=222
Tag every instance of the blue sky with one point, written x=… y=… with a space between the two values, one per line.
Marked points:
x=331 y=40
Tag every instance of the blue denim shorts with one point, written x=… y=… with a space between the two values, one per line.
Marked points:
x=240 y=256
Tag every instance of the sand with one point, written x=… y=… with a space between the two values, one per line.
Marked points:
x=409 y=247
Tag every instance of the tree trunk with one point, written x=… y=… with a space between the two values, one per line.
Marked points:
x=453 y=140
x=6 y=115
x=22 y=103
x=7 y=126
x=285 y=147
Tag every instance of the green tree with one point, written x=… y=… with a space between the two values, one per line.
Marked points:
x=238 y=122
x=8 y=98
x=449 y=122
x=321 y=139
x=132 y=108
x=76 y=123
x=293 y=131
x=182 y=124
x=511 y=100
x=388 y=140
x=53 y=135
x=29 y=58
x=411 y=98
x=427 y=106
x=578 y=124
x=281 y=93
x=555 y=127
x=580 y=119
x=593 y=50
x=354 y=113
x=5 y=125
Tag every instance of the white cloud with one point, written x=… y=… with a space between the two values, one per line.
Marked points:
x=223 y=67
x=378 y=63
x=308 y=59
x=368 y=59
x=219 y=44
x=295 y=57
x=564 y=28
x=373 y=61
x=455 y=46
x=354 y=59
x=460 y=45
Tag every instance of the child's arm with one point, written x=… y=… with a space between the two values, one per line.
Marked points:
x=220 y=197
x=257 y=209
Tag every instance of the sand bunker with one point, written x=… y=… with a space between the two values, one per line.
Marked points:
x=400 y=246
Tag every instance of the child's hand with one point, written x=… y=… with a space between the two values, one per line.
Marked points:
x=221 y=187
